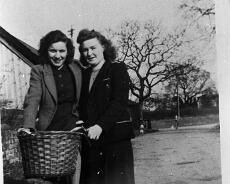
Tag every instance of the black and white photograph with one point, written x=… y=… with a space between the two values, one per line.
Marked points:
x=114 y=92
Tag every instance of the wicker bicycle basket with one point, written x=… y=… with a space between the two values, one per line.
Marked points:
x=49 y=153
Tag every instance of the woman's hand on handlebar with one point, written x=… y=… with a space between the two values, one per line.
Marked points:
x=75 y=129
x=25 y=130
x=78 y=123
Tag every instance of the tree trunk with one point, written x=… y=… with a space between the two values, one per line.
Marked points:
x=142 y=120
x=141 y=112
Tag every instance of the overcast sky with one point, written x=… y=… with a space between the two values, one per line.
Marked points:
x=29 y=20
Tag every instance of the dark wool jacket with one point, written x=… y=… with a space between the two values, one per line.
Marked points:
x=41 y=99
x=107 y=102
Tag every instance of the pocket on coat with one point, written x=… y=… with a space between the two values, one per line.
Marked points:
x=121 y=131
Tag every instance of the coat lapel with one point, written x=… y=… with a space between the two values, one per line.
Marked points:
x=49 y=81
x=102 y=73
x=77 y=76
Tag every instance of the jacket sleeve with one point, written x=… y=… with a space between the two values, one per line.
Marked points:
x=119 y=97
x=32 y=99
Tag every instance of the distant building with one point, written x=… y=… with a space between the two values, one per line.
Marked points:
x=16 y=60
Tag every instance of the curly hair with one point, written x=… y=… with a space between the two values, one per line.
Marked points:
x=109 y=53
x=53 y=37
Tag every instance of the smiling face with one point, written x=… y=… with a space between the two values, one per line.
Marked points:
x=92 y=51
x=57 y=53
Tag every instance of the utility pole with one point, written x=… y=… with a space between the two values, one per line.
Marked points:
x=178 y=100
x=177 y=82
x=71 y=32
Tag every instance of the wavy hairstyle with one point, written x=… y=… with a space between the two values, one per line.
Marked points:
x=109 y=53
x=53 y=37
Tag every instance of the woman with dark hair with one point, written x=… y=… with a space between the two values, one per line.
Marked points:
x=108 y=157
x=54 y=90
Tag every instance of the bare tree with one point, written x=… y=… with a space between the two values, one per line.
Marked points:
x=200 y=32
x=200 y=14
x=189 y=83
x=148 y=53
x=198 y=8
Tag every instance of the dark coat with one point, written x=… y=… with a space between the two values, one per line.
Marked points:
x=108 y=160
x=107 y=102
x=41 y=99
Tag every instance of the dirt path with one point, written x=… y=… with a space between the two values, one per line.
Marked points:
x=184 y=156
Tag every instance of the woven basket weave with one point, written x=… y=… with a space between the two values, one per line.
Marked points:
x=49 y=153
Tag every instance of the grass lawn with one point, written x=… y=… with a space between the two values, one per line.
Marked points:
x=186 y=121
